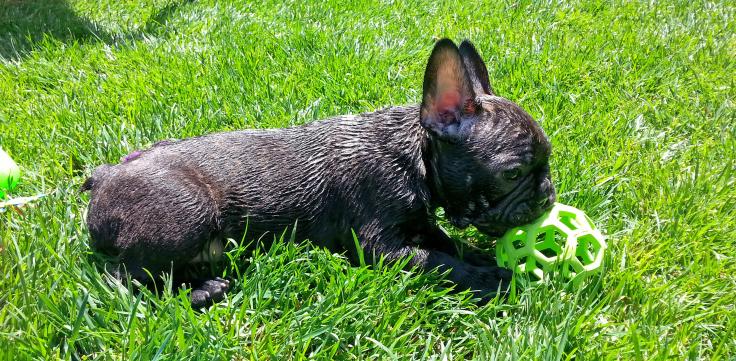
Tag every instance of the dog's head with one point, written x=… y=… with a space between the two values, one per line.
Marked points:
x=489 y=159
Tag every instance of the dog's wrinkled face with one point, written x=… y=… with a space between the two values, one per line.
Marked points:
x=490 y=159
x=498 y=176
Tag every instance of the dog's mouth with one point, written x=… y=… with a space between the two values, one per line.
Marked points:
x=517 y=208
x=483 y=215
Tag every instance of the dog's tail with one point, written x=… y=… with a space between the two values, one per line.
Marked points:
x=87 y=185
x=97 y=175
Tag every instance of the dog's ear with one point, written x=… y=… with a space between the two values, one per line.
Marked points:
x=448 y=102
x=476 y=69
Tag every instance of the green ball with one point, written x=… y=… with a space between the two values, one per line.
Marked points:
x=563 y=241
x=9 y=173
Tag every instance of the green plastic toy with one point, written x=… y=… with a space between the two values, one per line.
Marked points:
x=563 y=241
x=9 y=173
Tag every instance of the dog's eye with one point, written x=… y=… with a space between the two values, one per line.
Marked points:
x=512 y=174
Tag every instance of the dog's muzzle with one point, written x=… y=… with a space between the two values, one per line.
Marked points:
x=521 y=206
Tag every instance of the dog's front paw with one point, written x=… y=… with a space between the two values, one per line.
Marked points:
x=475 y=256
x=493 y=281
x=209 y=292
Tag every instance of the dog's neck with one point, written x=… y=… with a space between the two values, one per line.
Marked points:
x=438 y=198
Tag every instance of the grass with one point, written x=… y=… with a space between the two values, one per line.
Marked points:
x=637 y=98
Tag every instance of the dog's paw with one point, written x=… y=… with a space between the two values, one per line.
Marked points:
x=209 y=292
x=496 y=282
x=476 y=256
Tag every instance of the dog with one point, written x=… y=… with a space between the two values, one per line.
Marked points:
x=379 y=176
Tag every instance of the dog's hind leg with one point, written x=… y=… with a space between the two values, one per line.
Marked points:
x=151 y=222
x=208 y=291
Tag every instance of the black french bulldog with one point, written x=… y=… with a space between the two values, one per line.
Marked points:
x=382 y=174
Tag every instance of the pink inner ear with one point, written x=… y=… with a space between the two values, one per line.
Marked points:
x=448 y=101
x=470 y=106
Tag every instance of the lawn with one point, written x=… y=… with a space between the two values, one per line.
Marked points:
x=636 y=97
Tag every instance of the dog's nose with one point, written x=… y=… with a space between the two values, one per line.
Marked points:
x=547 y=194
x=543 y=202
x=546 y=186
x=546 y=201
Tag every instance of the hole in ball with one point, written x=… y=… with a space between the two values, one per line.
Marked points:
x=569 y=220
x=549 y=252
x=533 y=277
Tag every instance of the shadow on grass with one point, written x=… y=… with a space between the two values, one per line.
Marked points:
x=24 y=23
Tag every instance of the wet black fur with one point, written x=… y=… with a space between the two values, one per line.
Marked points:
x=382 y=174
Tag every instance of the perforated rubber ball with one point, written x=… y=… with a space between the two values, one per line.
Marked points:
x=563 y=241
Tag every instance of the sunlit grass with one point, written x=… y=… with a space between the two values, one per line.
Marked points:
x=637 y=98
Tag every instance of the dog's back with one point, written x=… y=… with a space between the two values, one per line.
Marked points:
x=166 y=202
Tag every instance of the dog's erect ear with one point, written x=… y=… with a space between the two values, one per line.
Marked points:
x=476 y=69
x=448 y=101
